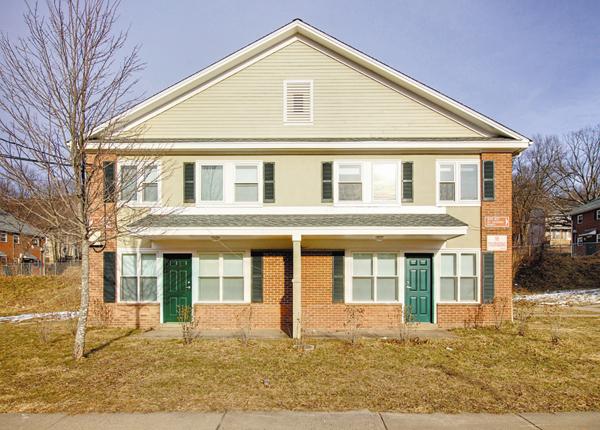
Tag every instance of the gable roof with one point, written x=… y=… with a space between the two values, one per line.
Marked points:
x=299 y=29
x=11 y=224
x=589 y=206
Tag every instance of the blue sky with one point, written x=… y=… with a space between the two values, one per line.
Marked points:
x=532 y=65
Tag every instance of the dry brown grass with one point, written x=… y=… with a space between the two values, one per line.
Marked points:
x=484 y=370
x=25 y=294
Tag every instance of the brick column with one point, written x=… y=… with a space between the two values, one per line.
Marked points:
x=297 y=287
x=501 y=206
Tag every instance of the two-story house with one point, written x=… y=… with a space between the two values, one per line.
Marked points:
x=301 y=177
x=19 y=242
x=586 y=228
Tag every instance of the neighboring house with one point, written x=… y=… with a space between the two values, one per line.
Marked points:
x=19 y=242
x=301 y=178
x=558 y=230
x=586 y=228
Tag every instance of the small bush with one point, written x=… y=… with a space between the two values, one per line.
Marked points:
x=523 y=312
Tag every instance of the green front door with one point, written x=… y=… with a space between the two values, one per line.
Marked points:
x=177 y=284
x=418 y=295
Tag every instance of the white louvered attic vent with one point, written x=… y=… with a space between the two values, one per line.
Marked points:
x=298 y=102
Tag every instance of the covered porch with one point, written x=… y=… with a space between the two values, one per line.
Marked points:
x=301 y=273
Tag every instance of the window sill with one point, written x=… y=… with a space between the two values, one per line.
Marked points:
x=459 y=303
x=445 y=204
x=120 y=302
x=220 y=303
x=374 y=303
x=228 y=205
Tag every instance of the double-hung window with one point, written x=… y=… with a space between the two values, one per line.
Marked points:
x=221 y=278
x=459 y=277
x=374 y=277
x=580 y=219
x=350 y=182
x=457 y=182
x=138 y=277
x=16 y=238
x=229 y=182
x=139 y=184
x=246 y=183
x=3 y=237
x=385 y=182
x=597 y=214
x=211 y=183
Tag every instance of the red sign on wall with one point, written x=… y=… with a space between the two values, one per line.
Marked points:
x=497 y=222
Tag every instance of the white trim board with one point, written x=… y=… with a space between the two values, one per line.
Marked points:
x=299 y=28
x=475 y=146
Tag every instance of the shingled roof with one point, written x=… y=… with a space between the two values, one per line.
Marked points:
x=337 y=220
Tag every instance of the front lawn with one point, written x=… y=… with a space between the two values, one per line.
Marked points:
x=480 y=370
x=34 y=294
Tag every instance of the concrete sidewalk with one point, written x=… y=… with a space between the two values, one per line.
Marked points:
x=359 y=420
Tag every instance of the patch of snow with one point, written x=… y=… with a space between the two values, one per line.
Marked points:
x=568 y=297
x=66 y=315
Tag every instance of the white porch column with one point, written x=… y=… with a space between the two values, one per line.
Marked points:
x=297 y=286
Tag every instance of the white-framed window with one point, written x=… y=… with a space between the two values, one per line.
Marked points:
x=579 y=218
x=3 y=237
x=222 y=278
x=375 y=182
x=35 y=241
x=457 y=182
x=140 y=185
x=598 y=238
x=211 y=183
x=138 y=276
x=459 y=277
x=16 y=238
x=298 y=102
x=374 y=277
x=350 y=182
x=231 y=182
x=597 y=214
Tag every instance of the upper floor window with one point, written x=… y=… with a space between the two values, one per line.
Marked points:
x=457 y=182
x=298 y=102
x=229 y=182
x=3 y=237
x=376 y=182
x=35 y=241
x=597 y=214
x=139 y=185
x=16 y=238
x=579 y=218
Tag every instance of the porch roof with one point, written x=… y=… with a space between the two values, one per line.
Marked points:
x=433 y=226
x=336 y=220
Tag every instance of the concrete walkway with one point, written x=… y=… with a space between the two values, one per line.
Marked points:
x=359 y=420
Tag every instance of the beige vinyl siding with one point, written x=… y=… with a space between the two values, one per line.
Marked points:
x=249 y=104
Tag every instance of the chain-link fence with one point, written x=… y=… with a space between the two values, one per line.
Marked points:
x=37 y=269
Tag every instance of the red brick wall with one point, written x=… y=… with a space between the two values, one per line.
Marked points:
x=319 y=313
x=14 y=250
x=275 y=312
x=459 y=315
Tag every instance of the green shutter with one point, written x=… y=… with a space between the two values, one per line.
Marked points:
x=338 y=277
x=109 y=277
x=327 y=182
x=269 y=182
x=488 y=180
x=257 y=277
x=407 y=181
x=189 y=182
x=109 y=181
x=488 y=277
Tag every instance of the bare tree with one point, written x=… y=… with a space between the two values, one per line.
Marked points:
x=533 y=184
x=577 y=178
x=69 y=77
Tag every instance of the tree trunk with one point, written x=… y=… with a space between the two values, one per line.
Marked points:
x=79 y=346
